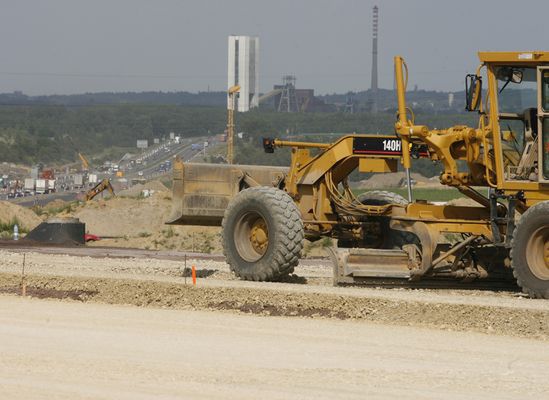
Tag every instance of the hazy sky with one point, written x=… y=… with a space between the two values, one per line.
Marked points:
x=75 y=46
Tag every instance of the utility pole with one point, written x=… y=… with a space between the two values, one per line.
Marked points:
x=233 y=92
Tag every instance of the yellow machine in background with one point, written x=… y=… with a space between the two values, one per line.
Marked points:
x=382 y=235
x=84 y=161
x=105 y=184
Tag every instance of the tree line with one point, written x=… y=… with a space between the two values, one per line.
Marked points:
x=38 y=133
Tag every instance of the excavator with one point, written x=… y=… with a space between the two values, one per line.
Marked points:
x=502 y=165
x=103 y=185
x=83 y=159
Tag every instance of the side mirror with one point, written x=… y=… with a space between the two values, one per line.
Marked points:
x=473 y=92
x=268 y=145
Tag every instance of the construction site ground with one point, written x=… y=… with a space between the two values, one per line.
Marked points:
x=121 y=323
x=73 y=350
x=159 y=279
x=121 y=319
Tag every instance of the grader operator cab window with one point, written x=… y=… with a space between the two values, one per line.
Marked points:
x=517 y=104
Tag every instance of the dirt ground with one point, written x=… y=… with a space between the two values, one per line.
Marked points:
x=70 y=350
x=396 y=179
x=98 y=324
x=102 y=322
x=308 y=293
x=133 y=221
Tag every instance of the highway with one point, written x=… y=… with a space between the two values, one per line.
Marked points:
x=153 y=158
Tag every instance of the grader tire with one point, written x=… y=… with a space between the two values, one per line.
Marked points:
x=262 y=234
x=530 y=251
x=389 y=238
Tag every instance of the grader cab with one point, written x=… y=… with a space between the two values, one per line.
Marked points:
x=266 y=212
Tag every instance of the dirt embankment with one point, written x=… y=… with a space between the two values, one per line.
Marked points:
x=135 y=218
x=268 y=302
x=398 y=179
x=10 y=213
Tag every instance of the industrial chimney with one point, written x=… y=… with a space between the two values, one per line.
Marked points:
x=373 y=87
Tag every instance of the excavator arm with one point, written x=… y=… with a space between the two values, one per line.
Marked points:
x=85 y=162
x=105 y=184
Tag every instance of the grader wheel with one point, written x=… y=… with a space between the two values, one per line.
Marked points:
x=262 y=234
x=530 y=251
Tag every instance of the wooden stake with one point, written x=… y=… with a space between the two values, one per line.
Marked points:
x=194 y=275
x=23 y=278
x=185 y=269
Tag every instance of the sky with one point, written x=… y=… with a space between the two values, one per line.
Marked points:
x=77 y=46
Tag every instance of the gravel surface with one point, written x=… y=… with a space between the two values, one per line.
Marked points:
x=161 y=283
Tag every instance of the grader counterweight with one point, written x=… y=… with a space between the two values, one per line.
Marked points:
x=382 y=235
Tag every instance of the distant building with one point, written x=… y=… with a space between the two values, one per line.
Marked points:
x=305 y=100
x=243 y=70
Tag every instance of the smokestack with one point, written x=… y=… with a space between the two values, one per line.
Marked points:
x=374 y=60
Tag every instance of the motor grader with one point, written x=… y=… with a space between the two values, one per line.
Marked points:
x=502 y=164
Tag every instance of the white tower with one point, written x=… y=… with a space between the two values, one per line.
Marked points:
x=243 y=70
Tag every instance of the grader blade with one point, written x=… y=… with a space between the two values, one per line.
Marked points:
x=202 y=192
x=356 y=265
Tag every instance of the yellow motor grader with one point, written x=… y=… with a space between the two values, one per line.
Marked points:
x=502 y=164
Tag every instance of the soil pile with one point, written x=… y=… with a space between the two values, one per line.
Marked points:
x=139 y=222
x=57 y=204
x=464 y=202
x=137 y=190
x=26 y=218
x=396 y=180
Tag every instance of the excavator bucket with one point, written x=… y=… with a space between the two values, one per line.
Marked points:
x=201 y=192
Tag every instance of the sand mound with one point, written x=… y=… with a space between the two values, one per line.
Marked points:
x=124 y=216
x=397 y=179
x=139 y=222
x=26 y=217
x=464 y=202
x=56 y=204
x=136 y=190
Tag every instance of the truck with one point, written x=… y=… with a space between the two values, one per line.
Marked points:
x=78 y=181
x=29 y=185
x=266 y=212
x=50 y=186
x=41 y=186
